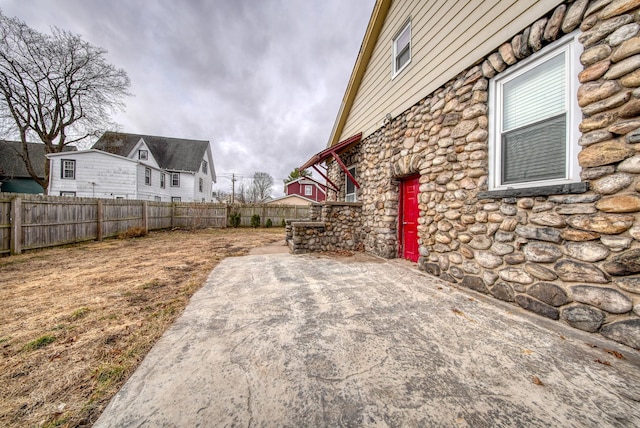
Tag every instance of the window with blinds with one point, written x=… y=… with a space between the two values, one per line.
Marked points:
x=533 y=124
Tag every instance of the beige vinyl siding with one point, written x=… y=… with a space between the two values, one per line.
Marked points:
x=447 y=37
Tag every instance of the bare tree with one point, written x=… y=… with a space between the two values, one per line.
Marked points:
x=221 y=196
x=242 y=192
x=261 y=186
x=56 y=88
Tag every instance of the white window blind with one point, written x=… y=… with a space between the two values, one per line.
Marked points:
x=533 y=96
x=534 y=123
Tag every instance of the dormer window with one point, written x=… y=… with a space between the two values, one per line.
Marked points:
x=143 y=154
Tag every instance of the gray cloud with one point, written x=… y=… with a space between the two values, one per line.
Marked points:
x=262 y=80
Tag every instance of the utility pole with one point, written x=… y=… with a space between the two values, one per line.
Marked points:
x=233 y=188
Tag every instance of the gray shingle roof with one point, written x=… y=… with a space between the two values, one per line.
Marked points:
x=171 y=153
x=11 y=163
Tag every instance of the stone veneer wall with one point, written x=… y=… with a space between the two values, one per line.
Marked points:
x=571 y=256
x=332 y=226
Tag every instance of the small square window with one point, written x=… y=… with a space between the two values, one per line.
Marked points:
x=157 y=198
x=175 y=199
x=67 y=193
x=68 y=169
x=143 y=154
x=308 y=190
x=402 y=49
x=205 y=167
x=534 y=120
x=147 y=176
x=175 y=179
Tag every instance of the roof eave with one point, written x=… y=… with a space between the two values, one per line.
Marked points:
x=374 y=27
x=332 y=151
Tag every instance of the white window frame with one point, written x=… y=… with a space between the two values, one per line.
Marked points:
x=175 y=179
x=350 y=197
x=64 y=170
x=405 y=27
x=573 y=49
x=147 y=176
x=200 y=184
x=163 y=180
x=176 y=199
x=308 y=190
x=157 y=198
x=67 y=193
x=143 y=154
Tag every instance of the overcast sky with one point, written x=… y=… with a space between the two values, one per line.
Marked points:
x=261 y=79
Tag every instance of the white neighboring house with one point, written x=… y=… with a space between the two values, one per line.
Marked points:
x=131 y=166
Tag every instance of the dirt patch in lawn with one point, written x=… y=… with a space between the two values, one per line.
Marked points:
x=76 y=321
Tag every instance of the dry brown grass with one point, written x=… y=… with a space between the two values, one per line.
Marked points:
x=76 y=321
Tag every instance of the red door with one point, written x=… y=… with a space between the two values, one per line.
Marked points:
x=409 y=219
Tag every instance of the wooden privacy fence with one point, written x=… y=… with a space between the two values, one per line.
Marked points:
x=29 y=222
x=276 y=213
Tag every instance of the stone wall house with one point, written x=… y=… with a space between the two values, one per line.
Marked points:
x=521 y=123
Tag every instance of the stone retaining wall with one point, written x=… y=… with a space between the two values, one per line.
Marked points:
x=332 y=226
x=569 y=253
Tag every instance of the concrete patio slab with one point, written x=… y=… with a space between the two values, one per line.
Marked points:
x=284 y=340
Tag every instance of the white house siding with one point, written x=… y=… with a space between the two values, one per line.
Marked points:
x=186 y=190
x=447 y=36
x=149 y=192
x=151 y=161
x=97 y=175
x=207 y=190
x=115 y=176
x=207 y=185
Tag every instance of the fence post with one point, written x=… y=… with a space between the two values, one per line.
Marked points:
x=16 y=226
x=173 y=214
x=99 y=216
x=145 y=216
x=262 y=217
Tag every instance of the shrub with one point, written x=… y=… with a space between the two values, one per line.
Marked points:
x=269 y=223
x=234 y=219
x=255 y=221
x=132 y=232
x=283 y=224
